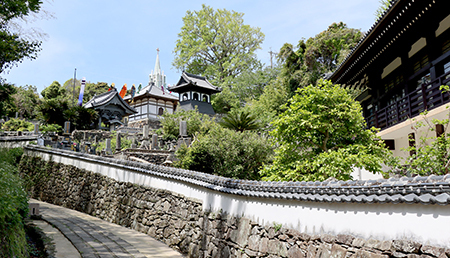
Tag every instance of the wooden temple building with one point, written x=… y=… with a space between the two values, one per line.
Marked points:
x=399 y=67
x=111 y=109
x=195 y=91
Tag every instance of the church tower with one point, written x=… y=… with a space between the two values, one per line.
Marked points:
x=157 y=76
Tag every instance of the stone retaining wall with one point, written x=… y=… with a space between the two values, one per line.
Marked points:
x=184 y=225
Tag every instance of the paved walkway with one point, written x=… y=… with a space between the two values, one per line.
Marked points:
x=96 y=238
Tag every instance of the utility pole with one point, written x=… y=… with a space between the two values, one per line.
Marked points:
x=74 y=80
x=271 y=57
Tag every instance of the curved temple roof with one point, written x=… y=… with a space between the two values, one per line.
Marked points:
x=109 y=97
x=188 y=80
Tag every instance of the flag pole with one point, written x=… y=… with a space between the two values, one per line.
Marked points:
x=74 y=80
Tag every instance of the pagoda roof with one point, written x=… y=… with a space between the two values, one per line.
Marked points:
x=152 y=90
x=191 y=81
x=111 y=97
x=398 y=23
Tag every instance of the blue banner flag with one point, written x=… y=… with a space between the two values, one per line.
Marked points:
x=80 y=98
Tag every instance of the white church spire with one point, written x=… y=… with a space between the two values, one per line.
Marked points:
x=157 y=76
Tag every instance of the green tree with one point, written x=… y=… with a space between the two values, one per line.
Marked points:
x=81 y=118
x=196 y=123
x=246 y=87
x=90 y=90
x=271 y=103
x=13 y=49
x=323 y=134
x=240 y=120
x=217 y=44
x=26 y=99
x=384 y=5
x=430 y=154
x=54 y=103
x=227 y=153
x=311 y=59
x=54 y=91
x=7 y=105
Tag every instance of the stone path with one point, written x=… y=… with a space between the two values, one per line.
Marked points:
x=96 y=238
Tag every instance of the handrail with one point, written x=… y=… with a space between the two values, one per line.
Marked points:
x=426 y=97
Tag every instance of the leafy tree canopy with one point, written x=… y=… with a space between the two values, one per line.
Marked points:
x=241 y=155
x=240 y=120
x=384 y=5
x=322 y=134
x=13 y=48
x=311 y=59
x=54 y=91
x=217 y=44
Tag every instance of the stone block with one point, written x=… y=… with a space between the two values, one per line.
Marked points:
x=406 y=246
x=295 y=252
x=372 y=243
x=338 y=251
x=277 y=247
x=358 y=242
x=345 y=239
x=240 y=235
x=327 y=238
x=367 y=254
x=323 y=251
x=432 y=250
x=253 y=242
x=264 y=245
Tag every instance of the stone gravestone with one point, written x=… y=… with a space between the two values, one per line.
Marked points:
x=108 y=150
x=118 y=142
x=133 y=143
x=36 y=129
x=183 y=128
x=66 y=128
x=145 y=132
x=17 y=115
x=154 y=142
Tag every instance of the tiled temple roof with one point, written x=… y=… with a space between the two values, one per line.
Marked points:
x=424 y=190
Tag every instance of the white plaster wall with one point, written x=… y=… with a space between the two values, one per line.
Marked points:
x=427 y=224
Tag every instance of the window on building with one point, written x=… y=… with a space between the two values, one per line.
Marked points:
x=160 y=111
x=447 y=70
x=185 y=97
x=439 y=130
x=446 y=46
x=421 y=63
x=412 y=143
x=195 y=96
x=205 y=98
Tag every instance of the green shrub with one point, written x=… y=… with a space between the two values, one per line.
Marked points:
x=15 y=124
x=13 y=206
x=196 y=123
x=50 y=128
x=227 y=153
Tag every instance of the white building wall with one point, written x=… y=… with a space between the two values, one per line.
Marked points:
x=426 y=224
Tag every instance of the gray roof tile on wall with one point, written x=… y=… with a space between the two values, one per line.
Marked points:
x=419 y=189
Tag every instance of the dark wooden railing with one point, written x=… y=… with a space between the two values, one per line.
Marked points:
x=427 y=97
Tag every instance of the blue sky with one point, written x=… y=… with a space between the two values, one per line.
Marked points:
x=115 y=41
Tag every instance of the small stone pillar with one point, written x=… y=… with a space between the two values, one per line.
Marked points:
x=118 y=142
x=17 y=115
x=145 y=132
x=108 y=150
x=36 y=129
x=183 y=128
x=154 y=142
